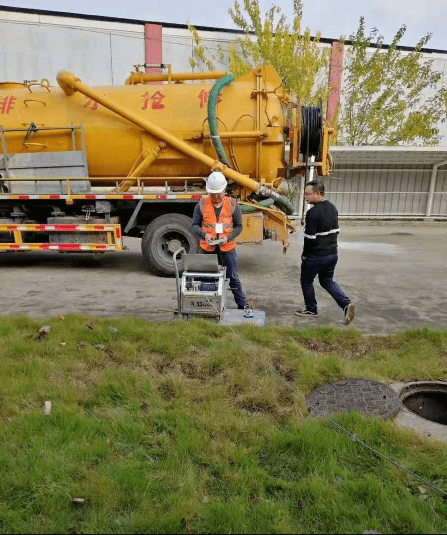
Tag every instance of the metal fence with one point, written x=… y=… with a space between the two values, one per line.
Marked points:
x=377 y=182
x=396 y=192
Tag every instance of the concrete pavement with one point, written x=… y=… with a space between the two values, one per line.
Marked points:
x=395 y=272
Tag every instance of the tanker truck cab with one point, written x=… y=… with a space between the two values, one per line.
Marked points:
x=81 y=167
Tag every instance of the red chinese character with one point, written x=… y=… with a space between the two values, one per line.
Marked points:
x=145 y=101
x=204 y=96
x=92 y=104
x=157 y=101
x=7 y=104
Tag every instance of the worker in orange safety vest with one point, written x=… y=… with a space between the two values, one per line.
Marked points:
x=218 y=216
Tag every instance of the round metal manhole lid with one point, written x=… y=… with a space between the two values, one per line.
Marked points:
x=363 y=395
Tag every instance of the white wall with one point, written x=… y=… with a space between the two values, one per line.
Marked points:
x=33 y=47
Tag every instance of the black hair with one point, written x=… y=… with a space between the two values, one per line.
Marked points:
x=317 y=186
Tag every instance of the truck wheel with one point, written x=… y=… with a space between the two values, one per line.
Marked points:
x=163 y=237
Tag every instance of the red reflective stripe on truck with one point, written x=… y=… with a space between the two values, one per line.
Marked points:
x=63 y=227
x=54 y=227
x=68 y=246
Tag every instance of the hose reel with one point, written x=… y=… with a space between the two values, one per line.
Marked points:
x=311 y=131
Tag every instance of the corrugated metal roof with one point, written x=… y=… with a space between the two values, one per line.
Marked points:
x=381 y=156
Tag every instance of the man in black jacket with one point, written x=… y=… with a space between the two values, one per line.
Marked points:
x=320 y=253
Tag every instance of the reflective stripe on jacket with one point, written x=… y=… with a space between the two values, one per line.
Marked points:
x=209 y=221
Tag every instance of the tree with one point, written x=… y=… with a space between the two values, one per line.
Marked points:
x=299 y=59
x=389 y=96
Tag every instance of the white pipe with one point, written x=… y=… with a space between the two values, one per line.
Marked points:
x=301 y=199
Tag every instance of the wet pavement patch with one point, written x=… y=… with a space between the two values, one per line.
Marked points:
x=363 y=395
x=400 y=234
x=369 y=247
x=427 y=400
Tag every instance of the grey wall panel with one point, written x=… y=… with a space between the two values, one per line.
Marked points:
x=42 y=51
x=212 y=47
x=177 y=50
x=99 y=54
x=127 y=51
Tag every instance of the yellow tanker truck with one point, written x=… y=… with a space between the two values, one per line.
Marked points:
x=82 y=167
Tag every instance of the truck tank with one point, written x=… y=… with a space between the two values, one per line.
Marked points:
x=252 y=107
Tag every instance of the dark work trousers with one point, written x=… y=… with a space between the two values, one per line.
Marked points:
x=324 y=267
x=229 y=260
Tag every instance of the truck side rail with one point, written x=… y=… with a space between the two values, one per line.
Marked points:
x=15 y=233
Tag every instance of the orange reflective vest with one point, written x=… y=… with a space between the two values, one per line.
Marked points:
x=209 y=221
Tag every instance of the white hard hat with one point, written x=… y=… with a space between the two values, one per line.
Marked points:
x=216 y=182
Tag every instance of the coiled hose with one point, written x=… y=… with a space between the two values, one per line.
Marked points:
x=311 y=131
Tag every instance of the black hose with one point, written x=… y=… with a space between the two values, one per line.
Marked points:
x=311 y=131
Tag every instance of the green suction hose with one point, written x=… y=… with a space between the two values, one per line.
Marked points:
x=212 y=120
x=284 y=205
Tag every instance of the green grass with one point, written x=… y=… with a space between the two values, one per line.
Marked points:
x=182 y=428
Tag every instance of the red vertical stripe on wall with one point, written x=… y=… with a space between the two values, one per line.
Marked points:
x=335 y=71
x=153 y=34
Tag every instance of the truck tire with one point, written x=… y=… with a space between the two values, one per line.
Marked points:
x=161 y=238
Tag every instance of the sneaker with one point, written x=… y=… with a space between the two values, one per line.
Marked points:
x=305 y=312
x=349 y=313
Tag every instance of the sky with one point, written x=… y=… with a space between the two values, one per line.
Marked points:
x=334 y=18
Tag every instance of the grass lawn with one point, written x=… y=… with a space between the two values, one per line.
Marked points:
x=184 y=427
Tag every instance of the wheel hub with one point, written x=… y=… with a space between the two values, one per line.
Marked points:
x=174 y=245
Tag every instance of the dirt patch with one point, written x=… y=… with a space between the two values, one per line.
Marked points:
x=167 y=391
x=189 y=370
x=255 y=406
x=286 y=399
x=235 y=390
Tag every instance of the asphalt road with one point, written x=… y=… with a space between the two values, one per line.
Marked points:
x=395 y=272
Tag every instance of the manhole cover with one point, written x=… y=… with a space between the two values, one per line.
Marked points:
x=363 y=395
